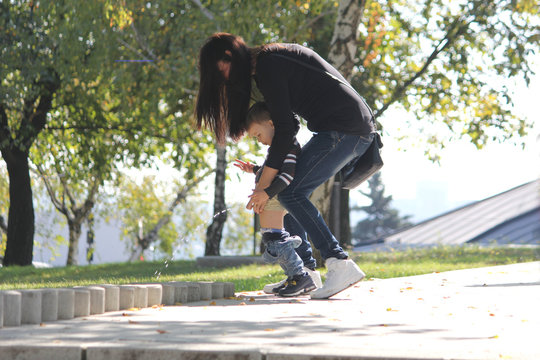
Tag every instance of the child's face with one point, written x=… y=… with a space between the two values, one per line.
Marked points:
x=263 y=132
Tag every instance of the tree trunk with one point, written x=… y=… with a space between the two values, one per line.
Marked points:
x=342 y=56
x=345 y=220
x=90 y=236
x=20 y=235
x=74 y=236
x=215 y=230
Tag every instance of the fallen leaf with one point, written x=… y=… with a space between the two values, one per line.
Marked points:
x=161 y=331
x=494 y=337
x=390 y=309
x=126 y=314
x=212 y=303
x=252 y=299
x=134 y=309
x=242 y=303
x=133 y=322
x=421 y=299
x=269 y=329
x=42 y=324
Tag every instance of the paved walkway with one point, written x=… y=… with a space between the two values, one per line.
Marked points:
x=488 y=313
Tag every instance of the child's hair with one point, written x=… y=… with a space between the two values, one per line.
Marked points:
x=257 y=113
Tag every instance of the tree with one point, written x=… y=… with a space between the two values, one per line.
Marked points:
x=438 y=61
x=381 y=218
x=26 y=96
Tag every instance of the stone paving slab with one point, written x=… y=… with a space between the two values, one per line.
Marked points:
x=487 y=313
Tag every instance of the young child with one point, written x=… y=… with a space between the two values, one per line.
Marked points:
x=279 y=244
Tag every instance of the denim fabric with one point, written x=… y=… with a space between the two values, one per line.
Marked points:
x=321 y=158
x=280 y=250
x=304 y=250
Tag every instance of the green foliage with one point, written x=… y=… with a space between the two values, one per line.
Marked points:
x=140 y=207
x=381 y=219
x=238 y=230
x=449 y=63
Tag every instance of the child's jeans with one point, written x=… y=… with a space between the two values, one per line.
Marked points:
x=280 y=249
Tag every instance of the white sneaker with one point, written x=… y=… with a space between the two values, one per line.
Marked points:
x=314 y=274
x=341 y=275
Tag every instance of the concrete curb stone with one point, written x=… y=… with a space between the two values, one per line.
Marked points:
x=218 y=290
x=205 y=290
x=167 y=294
x=112 y=297
x=66 y=304
x=194 y=292
x=82 y=302
x=44 y=305
x=49 y=305
x=180 y=292
x=12 y=308
x=228 y=289
x=140 y=296
x=127 y=297
x=30 y=306
x=155 y=294
x=97 y=299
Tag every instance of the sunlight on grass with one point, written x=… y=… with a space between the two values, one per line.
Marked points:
x=254 y=277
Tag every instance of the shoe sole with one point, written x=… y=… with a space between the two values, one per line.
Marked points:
x=299 y=292
x=337 y=292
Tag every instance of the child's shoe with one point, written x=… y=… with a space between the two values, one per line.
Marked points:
x=275 y=287
x=298 y=285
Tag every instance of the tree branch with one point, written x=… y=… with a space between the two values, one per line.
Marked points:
x=308 y=25
x=204 y=10
x=57 y=204
x=181 y=196
x=37 y=120
x=457 y=28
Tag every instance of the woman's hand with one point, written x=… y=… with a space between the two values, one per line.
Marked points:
x=244 y=165
x=257 y=201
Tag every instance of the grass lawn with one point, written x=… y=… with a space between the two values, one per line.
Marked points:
x=254 y=277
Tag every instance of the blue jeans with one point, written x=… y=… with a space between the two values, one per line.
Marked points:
x=321 y=158
x=280 y=250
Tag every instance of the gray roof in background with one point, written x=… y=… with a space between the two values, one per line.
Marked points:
x=508 y=216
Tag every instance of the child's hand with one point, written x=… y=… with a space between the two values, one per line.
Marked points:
x=244 y=165
x=257 y=201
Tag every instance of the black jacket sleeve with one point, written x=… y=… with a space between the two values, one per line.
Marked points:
x=272 y=80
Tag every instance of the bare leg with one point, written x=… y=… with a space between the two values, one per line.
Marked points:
x=272 y=219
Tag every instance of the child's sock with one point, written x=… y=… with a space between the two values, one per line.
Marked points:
x=270 y=230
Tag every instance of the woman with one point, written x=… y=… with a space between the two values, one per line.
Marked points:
x=293 y=80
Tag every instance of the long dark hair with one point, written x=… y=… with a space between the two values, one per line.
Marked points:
x=222 y=104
